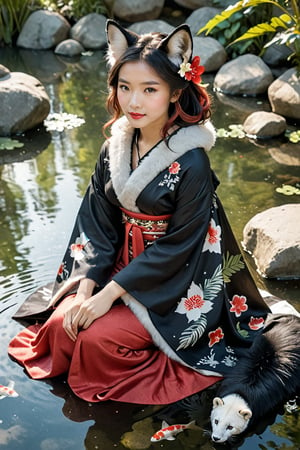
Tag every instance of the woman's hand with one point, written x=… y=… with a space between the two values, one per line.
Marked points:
x=70 y=314
x=84 y=310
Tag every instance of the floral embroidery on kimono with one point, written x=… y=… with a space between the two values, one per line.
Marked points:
x=172 y=177
x=239 y=305
x=190 y=288
x=213 y=238
x=77 y=248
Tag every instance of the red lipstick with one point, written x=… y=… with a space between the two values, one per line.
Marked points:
x=136 y=116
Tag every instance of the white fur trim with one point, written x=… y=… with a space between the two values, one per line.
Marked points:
x=143 y=316
x=128 y=186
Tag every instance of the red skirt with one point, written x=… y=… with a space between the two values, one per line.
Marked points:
x=113 y=359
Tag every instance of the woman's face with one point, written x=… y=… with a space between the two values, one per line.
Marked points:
x=143 y=96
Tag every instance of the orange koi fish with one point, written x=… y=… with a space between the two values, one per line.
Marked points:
x=169 y=432
x=8 y=391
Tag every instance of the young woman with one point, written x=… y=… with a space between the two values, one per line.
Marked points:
x=152 y=301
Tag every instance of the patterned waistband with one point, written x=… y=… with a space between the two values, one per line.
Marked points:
x=141 y=230
x=149 y=225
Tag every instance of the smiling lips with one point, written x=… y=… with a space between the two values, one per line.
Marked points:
x=136 y=115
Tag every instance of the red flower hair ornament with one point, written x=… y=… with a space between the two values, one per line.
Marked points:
x=192 y=71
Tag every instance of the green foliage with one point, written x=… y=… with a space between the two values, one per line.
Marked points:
x=13 y=14
x=229 y=25
x=82 y=7
x=283 y=30
x=75 y=9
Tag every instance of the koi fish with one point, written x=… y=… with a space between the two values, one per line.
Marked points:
x=8 y=391
x=169 y=432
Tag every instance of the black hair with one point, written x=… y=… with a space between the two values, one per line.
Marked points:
x=193 y=105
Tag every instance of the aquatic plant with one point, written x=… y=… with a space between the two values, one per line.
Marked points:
x=61 y=121
x=287 y=189
x=293 y=136
x=234 y=131
x=7 y=143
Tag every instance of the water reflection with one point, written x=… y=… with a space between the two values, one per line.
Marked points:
x=41 y=186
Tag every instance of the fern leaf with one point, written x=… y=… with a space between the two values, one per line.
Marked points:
x=191 y=335
x=232 y=9
x=255 y=32
x=213 y=285
x=231 y=265
x=283 y=21
x=215 y=21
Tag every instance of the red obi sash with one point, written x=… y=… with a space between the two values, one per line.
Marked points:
x=141 y=230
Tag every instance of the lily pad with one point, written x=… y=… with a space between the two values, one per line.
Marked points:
x=9 y=144
x=234 y=131
x=287 y=189
x=61 y=121
x=221 y=132
x=293 y=136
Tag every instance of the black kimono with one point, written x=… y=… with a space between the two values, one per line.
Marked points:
x=189 y=285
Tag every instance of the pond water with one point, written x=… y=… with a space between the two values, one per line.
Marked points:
x=41 y=185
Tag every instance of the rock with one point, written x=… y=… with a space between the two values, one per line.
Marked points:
x=24 y=103
x=284 y=95
x=273 y=238
x=136 y=10
x=244 y=75
x=200 y=17
x=278 y=70
x=287 y=154
x=148 y=26
x=212 y=53
x=276 y=55
x=194 y=4
x=264 y=125
x=43 y=30
x=90 y=31
x=69 y=47
x=4 y=71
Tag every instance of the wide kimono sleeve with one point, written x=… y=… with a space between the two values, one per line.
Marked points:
x=161 y=275
x=97 y=235
x=92 y=249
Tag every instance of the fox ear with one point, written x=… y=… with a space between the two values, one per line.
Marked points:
x=178 y=45
x=246 y=413
x=217 y=401
x=118 y=40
